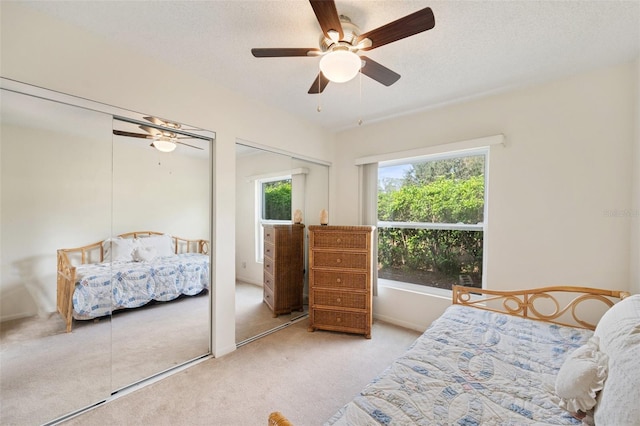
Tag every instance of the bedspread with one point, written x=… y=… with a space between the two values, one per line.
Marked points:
x=105 y=287
x=471 y=367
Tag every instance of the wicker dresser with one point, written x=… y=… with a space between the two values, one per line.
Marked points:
x=283 y=267
x=340 y=267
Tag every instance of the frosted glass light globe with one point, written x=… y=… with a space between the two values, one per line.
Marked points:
x=340 y=66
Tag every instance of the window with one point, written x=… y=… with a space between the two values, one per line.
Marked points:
x=273 y=206
x=431 y=220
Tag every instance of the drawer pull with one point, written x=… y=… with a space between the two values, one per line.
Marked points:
x=338 y=280
x=268 y=235
x=338 y=319
x=339 y=260
x=268 y=266
x=268 y=250
x=339 y=240
x=338 y=300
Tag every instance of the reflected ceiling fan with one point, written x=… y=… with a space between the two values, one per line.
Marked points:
x=163 y=140
x=341 y=42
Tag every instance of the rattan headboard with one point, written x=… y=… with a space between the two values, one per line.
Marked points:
x=523 y=303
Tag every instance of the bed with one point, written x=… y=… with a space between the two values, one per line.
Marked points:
x=128 y=271
x=512 y=358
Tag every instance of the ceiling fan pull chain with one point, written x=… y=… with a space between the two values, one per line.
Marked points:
x=360 y=106
x=319 y=109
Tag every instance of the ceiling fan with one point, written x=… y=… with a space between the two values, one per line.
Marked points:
x=163 y=140
x=341 y=41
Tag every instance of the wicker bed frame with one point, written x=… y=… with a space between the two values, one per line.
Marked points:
x=94 y=253
x=526 y=304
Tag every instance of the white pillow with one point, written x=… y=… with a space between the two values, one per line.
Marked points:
x=581 y=376
x=619 y=333
x=145 y=254
x=118 y=249
x=163 y=244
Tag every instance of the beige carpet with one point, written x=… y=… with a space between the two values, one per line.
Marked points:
x=253 y=316
x=306 y=376
x=46 y=372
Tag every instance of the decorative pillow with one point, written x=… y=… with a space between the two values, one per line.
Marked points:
x=145 y=254
x=163 y=244
x=581 y=376
x=118 y=249
x=619 y=333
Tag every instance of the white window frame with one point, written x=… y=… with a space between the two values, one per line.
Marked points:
x=483 y=151
x=258 y=214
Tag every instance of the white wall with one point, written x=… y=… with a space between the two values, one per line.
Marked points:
x=48 y=53
x=156 y=191
x=553 y=190
x=49 y=205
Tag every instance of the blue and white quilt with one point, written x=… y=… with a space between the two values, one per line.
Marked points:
x=471 y=367
x=102 y=288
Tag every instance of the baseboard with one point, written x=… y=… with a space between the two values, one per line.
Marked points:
x=395 y=321
x=249 y=281
x=15 y=317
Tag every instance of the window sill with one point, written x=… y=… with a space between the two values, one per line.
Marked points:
x=415 y=288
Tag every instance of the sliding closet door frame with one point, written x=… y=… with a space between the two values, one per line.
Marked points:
x=120 y=113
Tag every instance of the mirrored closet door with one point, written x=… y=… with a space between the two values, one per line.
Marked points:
x=264 y=177
x=55 y=193
x=161 y=200
x=105 y=251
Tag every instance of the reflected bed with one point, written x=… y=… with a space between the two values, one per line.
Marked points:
x=129 y=271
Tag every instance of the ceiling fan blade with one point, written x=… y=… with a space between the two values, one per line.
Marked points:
x=277 y=52
x=319 y=84
x=414 y=23
x=131 y=134
x=155 y=121
x=327 y=16
x=378 y=72
x=150 y=130
x=190 y=146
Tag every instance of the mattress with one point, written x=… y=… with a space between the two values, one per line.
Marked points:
x=471 y=367
x=105 y=287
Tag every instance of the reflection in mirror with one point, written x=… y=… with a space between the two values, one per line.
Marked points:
x=270 y=187
x=164 y=275
x=55 y=191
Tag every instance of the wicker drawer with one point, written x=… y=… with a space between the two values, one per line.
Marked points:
x=348 y=280
x=269 y=250
x=342 y=260
x=341 y=299
x=268 y=280
x=268 y=297
x=268 y=266
x=340 y=240
x=269 y=234
x=338 y=319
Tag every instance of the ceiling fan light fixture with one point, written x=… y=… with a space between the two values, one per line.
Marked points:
x=164 y=144
x=340 y=66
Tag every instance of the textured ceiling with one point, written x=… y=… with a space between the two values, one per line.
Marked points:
x=476 y=47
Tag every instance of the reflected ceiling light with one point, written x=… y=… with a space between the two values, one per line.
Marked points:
x=340 y=65
x=163 y=143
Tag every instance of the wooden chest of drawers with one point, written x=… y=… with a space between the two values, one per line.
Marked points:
x=283 y=268
x=340 y=268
